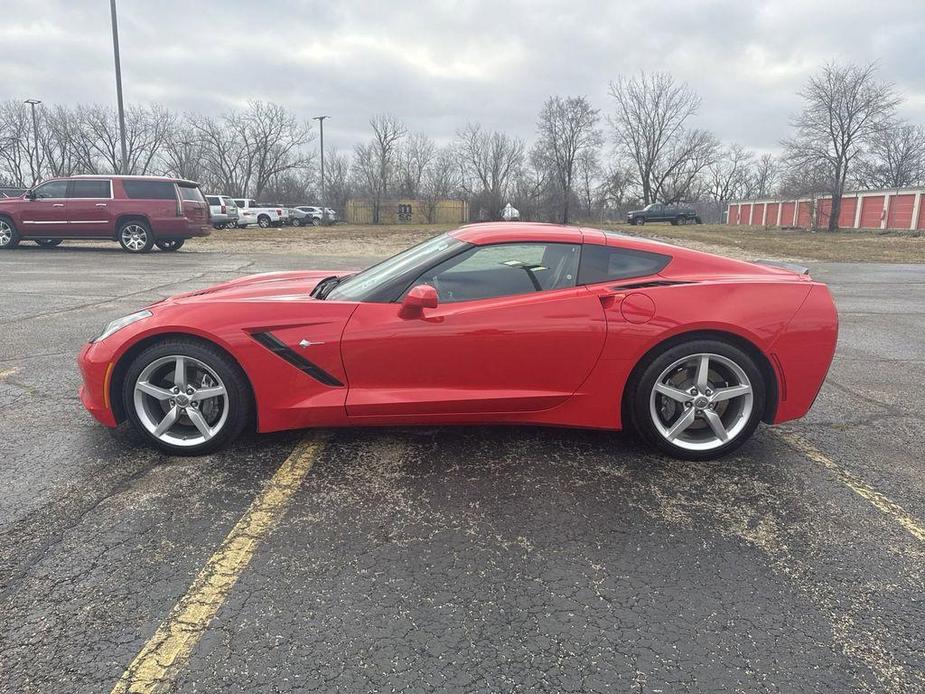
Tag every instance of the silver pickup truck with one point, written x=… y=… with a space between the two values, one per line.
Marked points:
x=251 y=213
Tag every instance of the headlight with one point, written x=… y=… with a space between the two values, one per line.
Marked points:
x=120 y=323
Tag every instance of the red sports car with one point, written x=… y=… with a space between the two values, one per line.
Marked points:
x=488 y=324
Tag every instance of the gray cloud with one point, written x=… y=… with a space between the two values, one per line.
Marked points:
x=438 y=64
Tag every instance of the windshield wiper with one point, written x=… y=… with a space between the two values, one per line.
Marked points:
x=324 y=287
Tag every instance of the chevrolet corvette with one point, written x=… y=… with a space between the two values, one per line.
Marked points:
x=488 y=324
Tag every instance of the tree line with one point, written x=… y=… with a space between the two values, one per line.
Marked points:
x=580 y=164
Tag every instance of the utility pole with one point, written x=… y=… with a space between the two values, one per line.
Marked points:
x=324 y=209
x=35 y=132
x=115 y=49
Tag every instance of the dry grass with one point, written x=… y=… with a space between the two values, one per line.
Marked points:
x=738 y=242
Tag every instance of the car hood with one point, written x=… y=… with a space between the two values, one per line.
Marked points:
x=271 y=286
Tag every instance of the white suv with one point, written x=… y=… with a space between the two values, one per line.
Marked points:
x=315 y=213
x=253 y=212
x=224 y=211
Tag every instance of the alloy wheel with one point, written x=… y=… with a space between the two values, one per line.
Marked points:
x=6 y=233
x=701 y=402
x=181 y=400
x=134 y=237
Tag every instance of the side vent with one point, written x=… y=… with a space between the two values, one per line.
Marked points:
x=272 y=343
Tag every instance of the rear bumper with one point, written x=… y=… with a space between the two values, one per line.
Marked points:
x=96 y=368
x=180 y=228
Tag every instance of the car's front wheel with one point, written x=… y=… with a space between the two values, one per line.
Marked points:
x=9 y=237
x=698 y=400
x=186 y=397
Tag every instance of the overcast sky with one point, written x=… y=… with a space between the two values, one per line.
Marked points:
x=438 y=64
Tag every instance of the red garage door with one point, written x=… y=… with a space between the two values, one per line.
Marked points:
x=745 y=212
x=804 y=216
x=786 y=215
x=771 y=217
x=849 y=207
x=921 y=224
x=871 y=211
x=823 y=212
x=900 y=214
x=758 y=213
x=733 y=216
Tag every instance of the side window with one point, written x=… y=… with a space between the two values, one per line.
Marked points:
x=88 y=189
x=506 y=269
x=239 y=203
x=52 y=189
x=190 y=193
x=149 y=190
x=605 y=263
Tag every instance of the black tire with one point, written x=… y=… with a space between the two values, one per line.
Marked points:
x=9 y=235
x=697 y=220
x=48 y=243
x=642 y=383
x=170 y=245
x=239 y=401
x=641 y=221
x=676 y=221
x=263 y=221
x=296 y=222
x=135 y=236
x=316 y=222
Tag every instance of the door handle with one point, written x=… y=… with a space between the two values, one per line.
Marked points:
x=58 y=204
x=608 y=296
x=101 y=204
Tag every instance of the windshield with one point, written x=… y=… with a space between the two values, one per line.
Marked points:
x=385 y=281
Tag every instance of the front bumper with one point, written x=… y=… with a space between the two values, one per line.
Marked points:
x=96 y=364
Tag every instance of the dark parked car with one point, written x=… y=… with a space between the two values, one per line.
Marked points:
x=137 y=211
x=658 y=212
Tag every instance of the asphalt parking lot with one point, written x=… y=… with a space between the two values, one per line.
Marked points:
x=510 y=559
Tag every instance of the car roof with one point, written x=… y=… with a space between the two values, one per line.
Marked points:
x=133 y=178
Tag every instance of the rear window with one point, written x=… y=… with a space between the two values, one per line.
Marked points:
x=88 y=189
x=605 y=263
x=212 y=200
x=149 y=190
x=190 y=193
x=239 y=203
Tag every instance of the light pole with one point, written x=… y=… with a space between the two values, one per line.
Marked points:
x=35 y=132
x=324 y=210
x=115 y=50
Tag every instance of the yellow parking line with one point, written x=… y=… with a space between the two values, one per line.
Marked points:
x=7 y=373
x=156 y=665
x=914 y=526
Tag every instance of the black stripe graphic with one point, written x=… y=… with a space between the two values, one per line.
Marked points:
x=272 y=343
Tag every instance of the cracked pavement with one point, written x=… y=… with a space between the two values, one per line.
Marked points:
x=460 y=559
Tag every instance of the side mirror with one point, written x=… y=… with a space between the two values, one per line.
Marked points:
x=420 y=297
x=30 y=195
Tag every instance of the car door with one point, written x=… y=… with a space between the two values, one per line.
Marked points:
x=511 y=333
x=88 y=208
x=46 y=213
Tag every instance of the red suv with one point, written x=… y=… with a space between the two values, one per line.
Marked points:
x=137 y=211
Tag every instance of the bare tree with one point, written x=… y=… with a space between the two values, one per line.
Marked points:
x=845 y=106
x=727 y=178
x=374 y=163
x=565 y=127
x=650 y=127
x=146 y=131
x=440 y=180
x=895 y=157
x=185 y=155
x=490 y=161
x=337 y=181
x=412 y=159
x=587 y=174
x=764 y=176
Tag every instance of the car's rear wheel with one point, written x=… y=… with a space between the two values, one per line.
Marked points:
x=186 y=397
x=135 y=236
x=316 y=221
x=698 y=400
x=170 y=244
x=263 y=221
x=9 y=237
x=48 y=243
